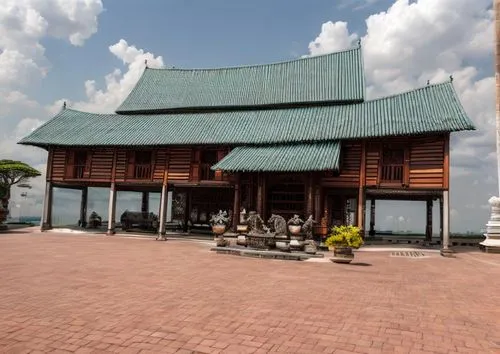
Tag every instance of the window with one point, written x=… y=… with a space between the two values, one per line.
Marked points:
x=80 y=163
x=207 y=160
x=142 y=167
x=393 y=159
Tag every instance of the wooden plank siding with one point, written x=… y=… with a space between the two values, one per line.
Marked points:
x=350 y=164
x=426 y=164
x=58 y=167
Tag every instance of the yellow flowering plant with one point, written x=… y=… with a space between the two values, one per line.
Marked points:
x=345 y=236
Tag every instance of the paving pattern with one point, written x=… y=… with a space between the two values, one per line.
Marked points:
x=99 y=294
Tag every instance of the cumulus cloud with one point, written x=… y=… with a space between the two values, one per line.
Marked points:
x=23 y=26
x=118 y=84
x=415 y=41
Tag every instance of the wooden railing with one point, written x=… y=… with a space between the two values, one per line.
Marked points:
x=392 y=174
x=142 y=171
x=206 y=173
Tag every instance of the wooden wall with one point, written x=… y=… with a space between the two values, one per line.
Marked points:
x=425 y=166
x=350 y=162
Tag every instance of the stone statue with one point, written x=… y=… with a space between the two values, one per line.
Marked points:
x=307 y=228
x=277 y=224
x=256 y=224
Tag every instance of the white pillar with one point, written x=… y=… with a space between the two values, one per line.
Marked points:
x=492 y=242
x=169 y=206
x=47 y=207
x=163 y=212
x=112 y=209
x=445 y=250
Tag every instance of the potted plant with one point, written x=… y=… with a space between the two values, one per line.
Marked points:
x=343 y=239
x=219 y=222
x=295 y=225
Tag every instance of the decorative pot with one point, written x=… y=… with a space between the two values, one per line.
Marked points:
x=342 y=255
x=218 y=229
x=294 y=229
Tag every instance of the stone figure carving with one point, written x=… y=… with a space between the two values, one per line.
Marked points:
x=256 y=224
x=277 y=224
x=307 y=228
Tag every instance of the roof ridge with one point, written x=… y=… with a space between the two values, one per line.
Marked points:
x=303 y=58
x=421 y=88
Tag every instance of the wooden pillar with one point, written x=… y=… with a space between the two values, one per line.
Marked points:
x=361 y=191
x=47 y=207
x=145 y=203
x=372 y=217
x=309 y=196
x=162 y=213
x=111 y=209
x=441 y=219
x=260 y=195
x=428 y=227
x=317 y=203
x=446 y=223
x=83 y=207
x=236 y=203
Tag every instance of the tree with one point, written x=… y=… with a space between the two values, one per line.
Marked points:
x=11 y=173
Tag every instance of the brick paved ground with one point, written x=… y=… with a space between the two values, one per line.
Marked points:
x=83 y=294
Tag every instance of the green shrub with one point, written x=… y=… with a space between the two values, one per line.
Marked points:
x=345 y=236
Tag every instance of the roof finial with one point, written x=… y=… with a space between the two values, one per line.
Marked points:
x=359 y=43
x=64 y=105
x=451 y=78
x=146 y=62
x=428 y=82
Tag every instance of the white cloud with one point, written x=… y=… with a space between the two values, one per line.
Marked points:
x=333 y=37
x=415 y=41
x=118 y=84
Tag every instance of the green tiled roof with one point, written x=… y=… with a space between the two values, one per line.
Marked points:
x=431 y=109
x=332 y=77
x=282 y=158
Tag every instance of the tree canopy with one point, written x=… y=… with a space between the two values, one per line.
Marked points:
x=14 y=172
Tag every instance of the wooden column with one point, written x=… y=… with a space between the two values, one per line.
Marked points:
x=446 y=222
x=236 y=203
x=428 y=227
x=111 y=209
x=47 y=207
x=83 y=207
x=441 y=219
x=145 y=203
x=260 y=195
x=163 y=211
x=361 y=191
x=317 y=203
x=372 y=217
x=310 y=196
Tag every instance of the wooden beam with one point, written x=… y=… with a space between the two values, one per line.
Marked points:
x=361 y=192
x=372 y=217
x=441 y=219
x=50 y=166
x=446 y=162
x=236 y=203
x=260 y=193
x=310 y=196
x=428 y=227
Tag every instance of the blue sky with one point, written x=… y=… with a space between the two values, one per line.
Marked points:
x=195 y=34
x=49 y=57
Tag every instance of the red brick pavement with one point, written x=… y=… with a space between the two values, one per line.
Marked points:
x=99 y=294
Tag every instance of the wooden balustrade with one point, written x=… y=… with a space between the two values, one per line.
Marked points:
x=392 y=174
x=142 y=171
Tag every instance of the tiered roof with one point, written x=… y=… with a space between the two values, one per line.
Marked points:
x=274 y=112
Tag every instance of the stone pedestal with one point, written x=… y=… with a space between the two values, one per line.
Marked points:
x=492 y=242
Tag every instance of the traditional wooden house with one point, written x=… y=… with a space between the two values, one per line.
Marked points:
x=296 y=137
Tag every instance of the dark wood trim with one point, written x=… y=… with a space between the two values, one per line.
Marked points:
x=428 y=224
x=310 y=195
x=372 y=217
x=113 y=168
x=260 y=187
